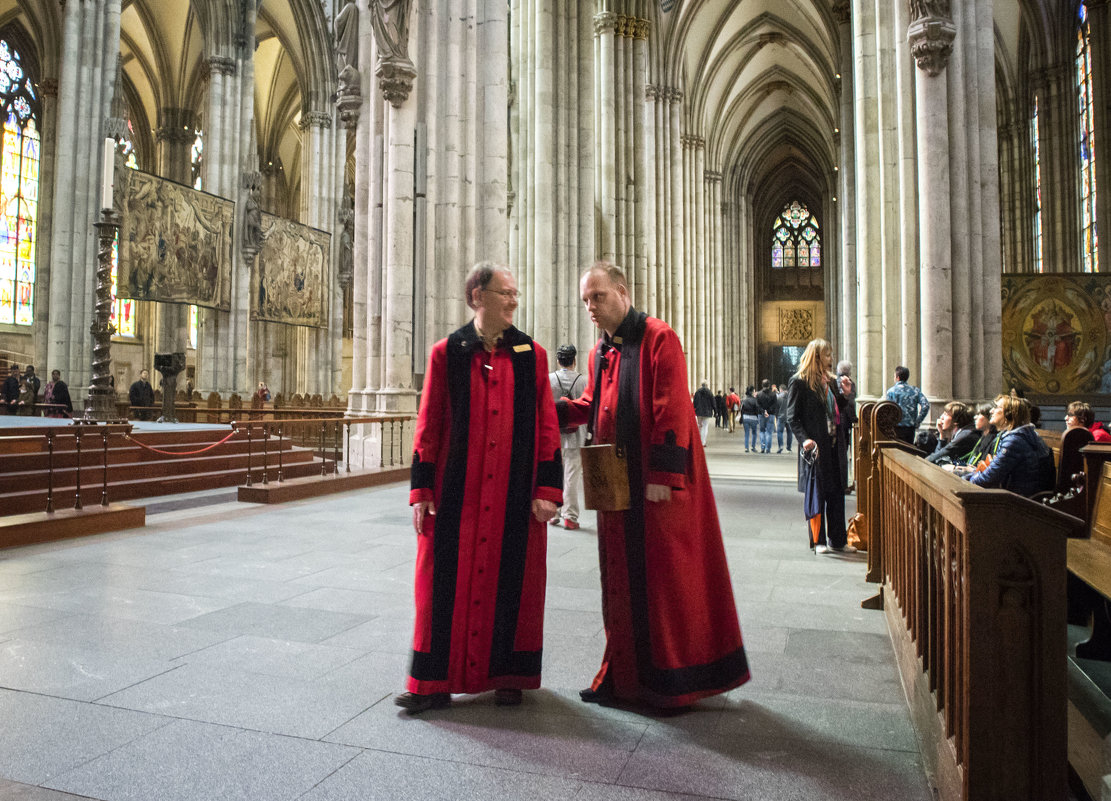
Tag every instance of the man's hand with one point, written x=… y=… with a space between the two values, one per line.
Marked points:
x=657 y=493
x=543 y=510
x=419 y=511
x=809 y=445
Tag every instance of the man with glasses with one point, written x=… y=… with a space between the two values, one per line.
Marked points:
x=486 y=478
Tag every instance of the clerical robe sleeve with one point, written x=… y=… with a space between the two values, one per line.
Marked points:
x=671 y=418
x=432 y=419
x=549 y=461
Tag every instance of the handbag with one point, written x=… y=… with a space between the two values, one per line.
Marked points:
x=605 y=478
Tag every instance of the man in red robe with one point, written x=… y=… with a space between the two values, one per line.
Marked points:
x=486 y=478
x=672 y=634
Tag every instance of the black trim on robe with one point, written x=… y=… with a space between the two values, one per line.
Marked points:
x=422 y=475
x=550 y=473
x=668 y=457
x=663 y=682
x=434 y=664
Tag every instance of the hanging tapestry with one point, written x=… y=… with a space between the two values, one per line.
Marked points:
x=288 y=283
x=1056 y=338
x=175 y=242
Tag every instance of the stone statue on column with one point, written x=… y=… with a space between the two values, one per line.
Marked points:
x=252 y=214
x=346 y=30
x=920 y=9
x=347 y=244
x=390 y=21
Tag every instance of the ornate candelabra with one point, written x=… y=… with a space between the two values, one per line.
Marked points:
x=100 y=405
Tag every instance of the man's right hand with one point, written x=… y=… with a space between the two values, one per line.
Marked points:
x=809 y=445
x=419 y=511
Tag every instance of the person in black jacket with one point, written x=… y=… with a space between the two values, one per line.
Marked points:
x=142 y=394
x=815 y=404
x=703 y=410
x=719 y=410
x=768 y=410
x=9 y=392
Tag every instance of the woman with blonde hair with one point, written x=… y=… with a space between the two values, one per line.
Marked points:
x=1023 y=463
x=815 y=403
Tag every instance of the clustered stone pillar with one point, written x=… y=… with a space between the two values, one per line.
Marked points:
x=844 y=206
x=666 y=297
x=90 y=50
x=931 y=42
x=174 y=137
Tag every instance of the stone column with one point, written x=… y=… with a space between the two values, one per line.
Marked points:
x=931 y=40
x=869 y=307
x=605 y=28
x=639 y=30
x=1058 y=133
x=844 y=209
x=174 y=139
x=44 y=269
x=87 y=78
x=674 y=213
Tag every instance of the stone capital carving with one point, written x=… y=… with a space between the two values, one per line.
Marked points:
x=643 y=29
x=315 y=119
x=605 y=22
x=48 y=87
x=692 y=142
x=651 y=92
x=712 y=176
x=395 y=78
x=349 y=104
x=221 y=65
x=842 y=11
x=931 y=41
x=176 y=126
x=672 y=94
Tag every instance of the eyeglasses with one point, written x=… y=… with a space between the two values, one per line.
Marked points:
x=508 y=294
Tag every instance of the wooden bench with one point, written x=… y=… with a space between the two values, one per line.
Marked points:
x=1089 y=663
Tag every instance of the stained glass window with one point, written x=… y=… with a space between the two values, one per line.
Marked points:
x=796 y=241
x=1089 y=237
x=196 y=156
x=1038 y=267
x=19 y=189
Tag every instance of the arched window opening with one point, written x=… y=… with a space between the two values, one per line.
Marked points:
x=1089 y=251
x=19 y=189
x=1038 y=266
x=796 y=248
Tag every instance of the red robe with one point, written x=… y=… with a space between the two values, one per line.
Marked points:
x=486 y=444
x=672 y=634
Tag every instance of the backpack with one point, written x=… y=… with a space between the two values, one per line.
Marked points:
x=563 y=394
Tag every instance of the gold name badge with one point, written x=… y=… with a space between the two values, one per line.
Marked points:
x=618 y=341
x=521 y=348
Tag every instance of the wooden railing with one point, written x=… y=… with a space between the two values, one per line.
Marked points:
x=87 y=439
x=330 y=437
x=973 y=590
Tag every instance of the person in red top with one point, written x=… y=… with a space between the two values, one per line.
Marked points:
x=1080 y=413
x=672 y=635
x=733 y=407
x=486 y=478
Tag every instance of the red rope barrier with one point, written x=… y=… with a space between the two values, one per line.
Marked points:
x=180 y=453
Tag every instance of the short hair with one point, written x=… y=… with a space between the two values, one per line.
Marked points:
x=14 y=367
x=959 y=413
x=479 y=278
x=984 y=409
x=1082 y=412
x=566 y=354
x=611 y=271
x=732 y=390
x=765 y=384
x=1016 y=411
x=902 y=373
x=844 y=367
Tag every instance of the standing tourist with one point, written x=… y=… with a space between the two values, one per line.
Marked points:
x=566 y=383
x=911 y=401
x=141 y=394
x=814 y=408
x=486 y=479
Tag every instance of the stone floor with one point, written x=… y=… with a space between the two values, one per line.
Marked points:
x=232 y=652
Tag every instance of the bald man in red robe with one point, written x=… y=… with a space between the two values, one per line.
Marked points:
x=672 y=635
x=486 y=478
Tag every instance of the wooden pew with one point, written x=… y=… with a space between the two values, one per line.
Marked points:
x=1089 y=665
x=972 y=586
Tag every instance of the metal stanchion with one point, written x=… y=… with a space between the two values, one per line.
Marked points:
x=77 y=440
x=104 y=480
x=50 y=472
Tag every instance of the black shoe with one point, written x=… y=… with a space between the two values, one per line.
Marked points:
x=415 y=703
x=602 y=696
x=508 y=696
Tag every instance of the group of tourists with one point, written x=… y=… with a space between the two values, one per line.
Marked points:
x=761 y=413
x=487 y=479
x=19 y=393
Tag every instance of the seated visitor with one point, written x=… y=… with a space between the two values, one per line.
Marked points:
x=1023 y=463
x=956 y=434
x=988 y=442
